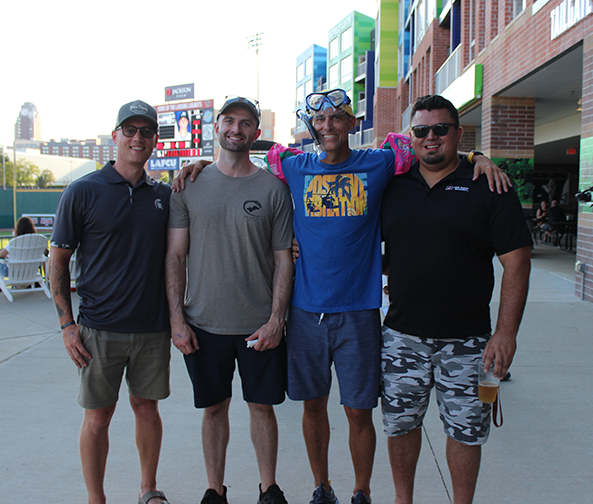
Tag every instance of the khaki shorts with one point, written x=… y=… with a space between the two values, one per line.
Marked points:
x=144 y=357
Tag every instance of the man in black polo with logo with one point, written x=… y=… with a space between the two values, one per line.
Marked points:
x=116 y=220
x=441 y=231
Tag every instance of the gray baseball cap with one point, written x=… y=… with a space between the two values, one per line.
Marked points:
x=239 y=101
x=137 y=108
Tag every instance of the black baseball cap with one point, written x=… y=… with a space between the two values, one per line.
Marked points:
x=137 y=108
x=239 y=101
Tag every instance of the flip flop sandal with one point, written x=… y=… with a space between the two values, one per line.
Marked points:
x=150 y=495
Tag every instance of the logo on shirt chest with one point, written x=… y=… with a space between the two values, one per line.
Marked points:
x=252 y=208
x=457 y=188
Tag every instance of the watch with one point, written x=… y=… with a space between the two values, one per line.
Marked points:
x=67 y=324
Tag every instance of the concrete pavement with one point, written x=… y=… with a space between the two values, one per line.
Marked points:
x=541 y=455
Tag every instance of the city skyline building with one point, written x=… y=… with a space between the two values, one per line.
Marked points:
x=28 y=123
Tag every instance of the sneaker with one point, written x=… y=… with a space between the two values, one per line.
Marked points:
x=273 y=495
x=323 y=496
x=360 y=498
x=211 y=497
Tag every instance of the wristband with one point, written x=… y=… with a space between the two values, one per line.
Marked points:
x=470 y=156
x=68 y=324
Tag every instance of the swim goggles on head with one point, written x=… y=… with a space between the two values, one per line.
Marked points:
x=335 y=98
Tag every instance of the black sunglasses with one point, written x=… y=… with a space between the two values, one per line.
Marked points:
x=130 y=131
x=440 y=129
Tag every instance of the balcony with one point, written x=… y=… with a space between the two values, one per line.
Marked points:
x=449 y=71
x=406 y=119
x=361 y=139
x=361 y=108
x=361 y=72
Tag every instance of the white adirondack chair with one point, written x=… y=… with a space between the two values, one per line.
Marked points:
x=25 y=256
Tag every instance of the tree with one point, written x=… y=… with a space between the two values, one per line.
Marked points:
x=26 y=172
x=45 y=179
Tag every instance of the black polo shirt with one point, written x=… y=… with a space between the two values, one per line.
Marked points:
x=440 y=242
x=120 y=232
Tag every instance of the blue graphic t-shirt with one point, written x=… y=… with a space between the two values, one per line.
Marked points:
x=336 y=222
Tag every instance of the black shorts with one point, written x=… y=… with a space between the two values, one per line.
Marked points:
x=211 y=369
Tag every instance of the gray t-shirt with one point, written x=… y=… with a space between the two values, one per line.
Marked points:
x=235 y=224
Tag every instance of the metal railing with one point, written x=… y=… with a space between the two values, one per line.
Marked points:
x=449 y=71
x=361 y=69
x=406 y=118
x=368 y=136
x=361 y=106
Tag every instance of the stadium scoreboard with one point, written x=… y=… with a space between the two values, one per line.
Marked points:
x=186 y=134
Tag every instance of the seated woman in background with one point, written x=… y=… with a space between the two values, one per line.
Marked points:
x=23 y=226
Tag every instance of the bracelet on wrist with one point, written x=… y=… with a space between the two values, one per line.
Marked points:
x=67 y=324
x=470 y=156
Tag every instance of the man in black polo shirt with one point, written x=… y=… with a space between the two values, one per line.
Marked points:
x=441 y=231
x=116 y=220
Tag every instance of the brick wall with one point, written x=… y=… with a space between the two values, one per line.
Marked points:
x=468 y=140
x=386 y=116
x=585 y=222
x=508 y=127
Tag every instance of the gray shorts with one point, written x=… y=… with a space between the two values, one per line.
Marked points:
x=143 y=356
x=411 y=366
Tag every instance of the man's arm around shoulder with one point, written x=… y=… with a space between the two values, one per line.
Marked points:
x=270 y=334
x=175 y=262
x=513 y=296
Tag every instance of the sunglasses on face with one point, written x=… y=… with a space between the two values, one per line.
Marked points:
x=130 y=131
x=439 y=129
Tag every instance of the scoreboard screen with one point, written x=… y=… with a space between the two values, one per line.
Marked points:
x=186 y=132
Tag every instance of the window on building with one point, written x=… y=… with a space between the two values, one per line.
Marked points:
x=346 y=69
x=267 y=133
x=333 y=76
x=300 y=72
x=518 y=7
x=334 y=50
x=300 y=97
x=308 y=87
x=308 y=66
x=346 y=39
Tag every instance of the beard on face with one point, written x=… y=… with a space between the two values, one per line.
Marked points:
x=234 y=146
x=433 y=159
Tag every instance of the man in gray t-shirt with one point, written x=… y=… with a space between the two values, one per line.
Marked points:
x=233 y=228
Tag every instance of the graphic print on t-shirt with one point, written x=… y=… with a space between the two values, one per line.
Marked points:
x=342 y=195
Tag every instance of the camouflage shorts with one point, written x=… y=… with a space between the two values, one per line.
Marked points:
x=411 y=366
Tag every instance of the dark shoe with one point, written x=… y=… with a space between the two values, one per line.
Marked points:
x=273 y=495
x=323 y=496
x=211 y=497
x=360 y=498
x=507 y=376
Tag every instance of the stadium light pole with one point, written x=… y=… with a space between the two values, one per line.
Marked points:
x=255 y=41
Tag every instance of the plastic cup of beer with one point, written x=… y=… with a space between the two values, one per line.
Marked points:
x=487 y=384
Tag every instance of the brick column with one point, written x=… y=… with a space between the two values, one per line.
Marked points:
x=585 y=215
x=386 y=117
x=507 y=138
x=508 y=127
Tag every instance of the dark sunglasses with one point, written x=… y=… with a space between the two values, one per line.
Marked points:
x=130 y=131
x=439 y=129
